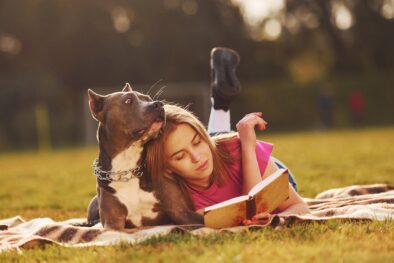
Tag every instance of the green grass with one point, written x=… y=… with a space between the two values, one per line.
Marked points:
x=59 y=185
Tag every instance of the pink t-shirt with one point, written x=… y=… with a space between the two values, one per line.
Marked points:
x=233 y=185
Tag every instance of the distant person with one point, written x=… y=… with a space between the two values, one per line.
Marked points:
x=357 y=107
x=326 y=107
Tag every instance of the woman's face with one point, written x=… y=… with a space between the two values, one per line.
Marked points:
x=189 y=156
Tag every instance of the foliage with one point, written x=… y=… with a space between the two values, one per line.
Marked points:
x=288 y=105
x=85 y=43
x=365 y=45
x=51 y=51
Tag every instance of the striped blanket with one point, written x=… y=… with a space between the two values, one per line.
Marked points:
x=368 y=202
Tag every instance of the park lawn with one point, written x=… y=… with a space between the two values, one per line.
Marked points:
x=59 y=185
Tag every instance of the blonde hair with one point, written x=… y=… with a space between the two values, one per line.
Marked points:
x=155 y=158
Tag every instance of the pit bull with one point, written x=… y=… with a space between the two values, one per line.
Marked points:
x=126 y=196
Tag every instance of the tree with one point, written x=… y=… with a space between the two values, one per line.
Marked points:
x=363 y=46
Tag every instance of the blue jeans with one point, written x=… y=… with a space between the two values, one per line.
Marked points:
x=292 y=180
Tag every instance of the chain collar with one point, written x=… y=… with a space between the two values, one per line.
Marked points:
x=117 y=176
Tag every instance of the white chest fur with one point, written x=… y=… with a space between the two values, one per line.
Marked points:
x=139 y=203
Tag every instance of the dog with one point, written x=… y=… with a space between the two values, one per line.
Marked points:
x=126 y=196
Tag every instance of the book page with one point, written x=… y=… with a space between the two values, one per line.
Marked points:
x=273 y=194
x=227 y=202
x=226 y=216
x=266 y=181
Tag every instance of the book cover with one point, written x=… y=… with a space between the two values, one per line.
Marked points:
x=266 y=196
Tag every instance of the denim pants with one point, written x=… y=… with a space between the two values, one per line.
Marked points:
x=292 y=180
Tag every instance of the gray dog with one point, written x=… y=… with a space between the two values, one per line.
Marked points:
x=126 y=197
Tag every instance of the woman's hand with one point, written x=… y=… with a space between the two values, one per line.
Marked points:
x=260 y=219
x=247 y=136
x=246 y=126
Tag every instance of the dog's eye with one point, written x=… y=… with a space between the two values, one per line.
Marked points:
x=128 y=101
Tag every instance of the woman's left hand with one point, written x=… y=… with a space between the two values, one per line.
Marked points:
x=260 y=219
x=246 y=125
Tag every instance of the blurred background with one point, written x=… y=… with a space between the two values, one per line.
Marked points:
x=307 y=64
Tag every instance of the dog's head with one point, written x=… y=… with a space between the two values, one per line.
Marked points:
x=128 y=114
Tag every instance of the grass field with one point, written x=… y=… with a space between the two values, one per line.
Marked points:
x=59 y=185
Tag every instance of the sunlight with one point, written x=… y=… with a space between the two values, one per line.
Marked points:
x=343 y=17
x=121 y=19
x=255 y=11
x=272 y=29
x=10 y=44
x=388 y=9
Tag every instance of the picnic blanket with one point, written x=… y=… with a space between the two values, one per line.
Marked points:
x=354 y=203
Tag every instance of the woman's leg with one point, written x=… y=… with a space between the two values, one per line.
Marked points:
x=219 y=121
x=225 y=87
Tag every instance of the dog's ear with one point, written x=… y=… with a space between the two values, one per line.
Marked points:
x=127 y=88
x=96 y=104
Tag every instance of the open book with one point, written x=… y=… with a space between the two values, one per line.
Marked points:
x=265 y=196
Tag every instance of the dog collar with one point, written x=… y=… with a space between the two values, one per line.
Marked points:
x=117 y=176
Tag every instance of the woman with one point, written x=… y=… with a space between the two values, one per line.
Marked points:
x=212 y=170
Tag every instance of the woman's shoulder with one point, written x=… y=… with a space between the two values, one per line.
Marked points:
x=231 y=141
x=228 y=141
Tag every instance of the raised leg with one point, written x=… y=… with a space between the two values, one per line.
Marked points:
x=225 y=86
